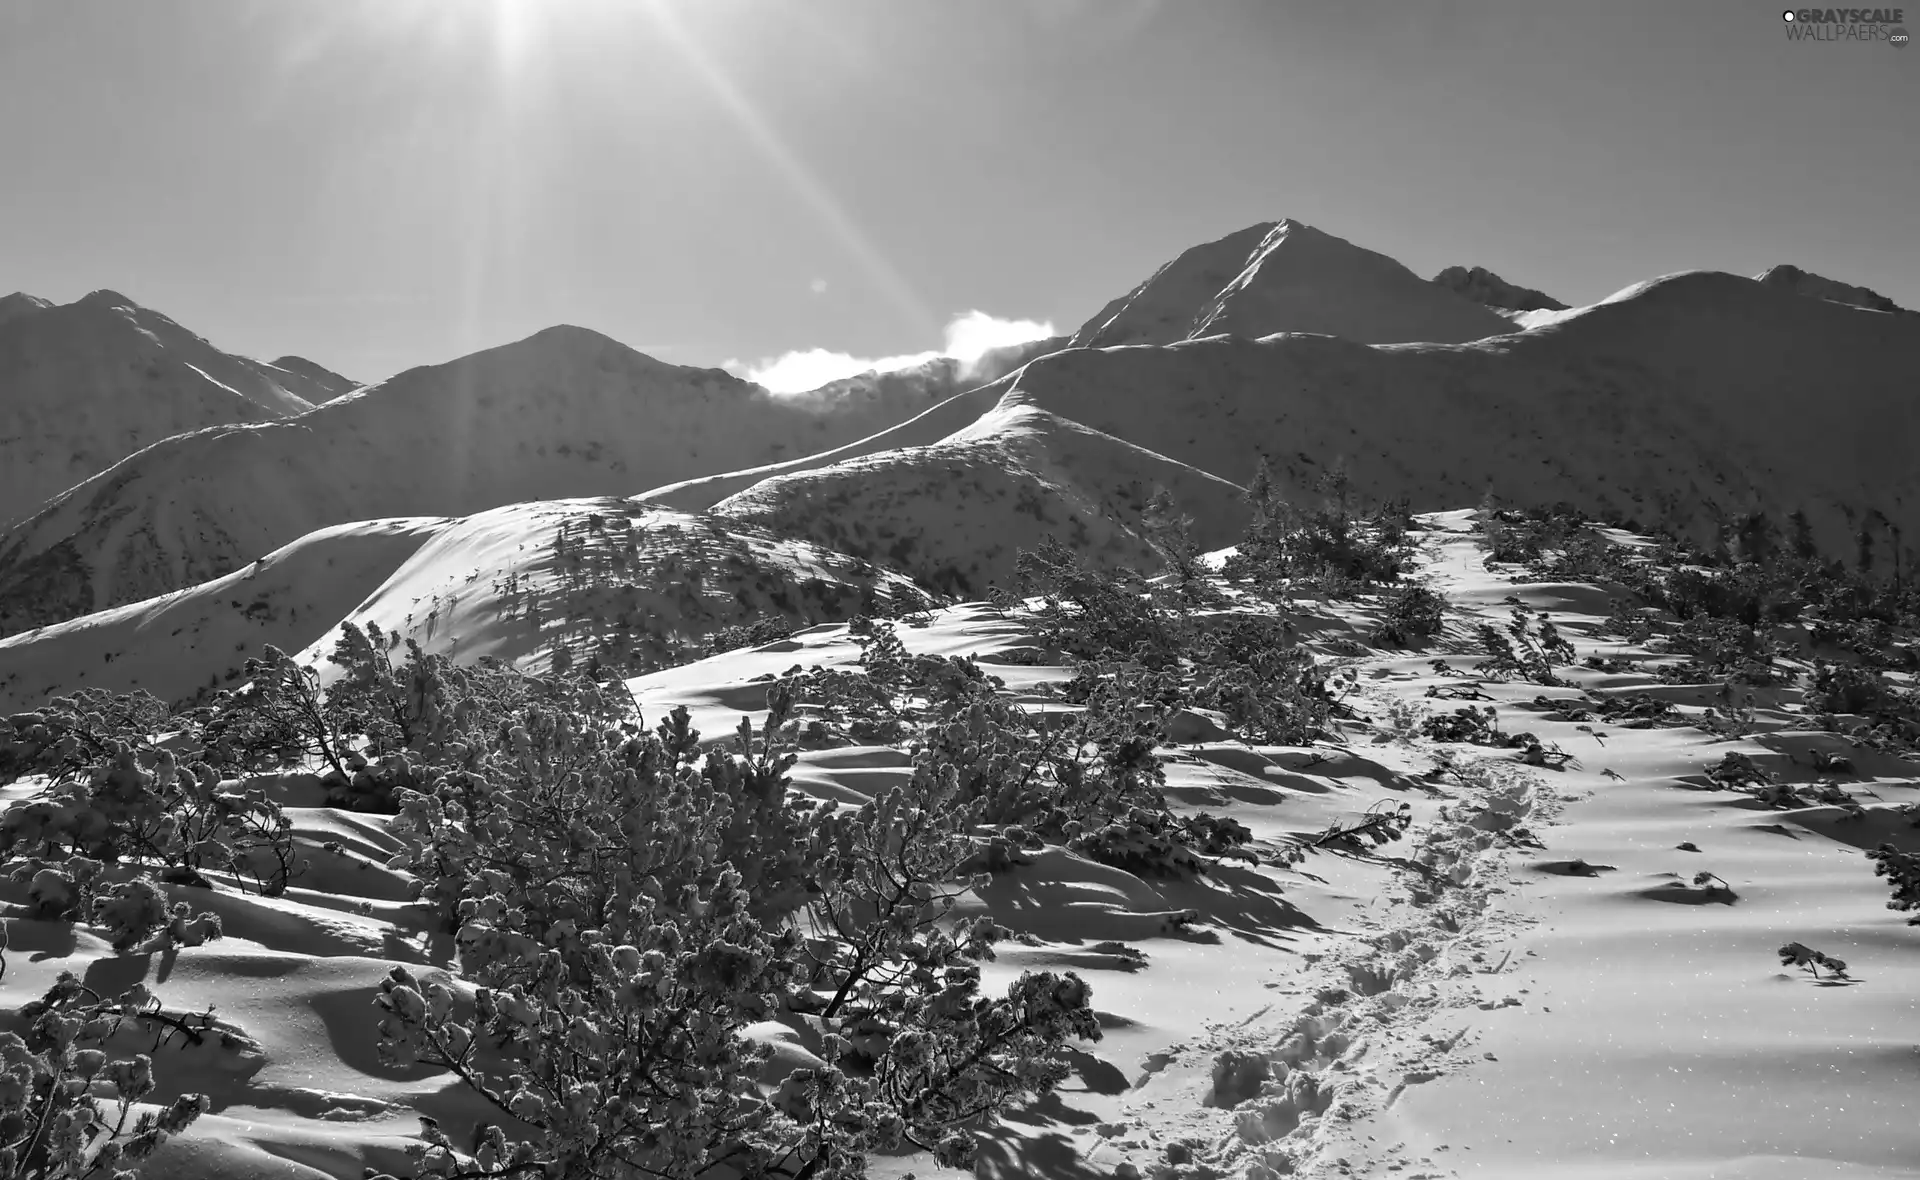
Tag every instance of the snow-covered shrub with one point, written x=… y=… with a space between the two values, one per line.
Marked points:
x=116 y=800
x=1279 y=697
x=1529 y=650
x=890 y=692
x=1168 y=532
x=1096 y=613
x=738 y=635
x=1719 y=649
x=1800 y=955
x=277 y=719
x=370 y=730
x=1525 y=537
x=1476 y=726
x=1902 y=871
x=629 y=906
x=1414 y=614
x=1150 y=843
x=1331 y=548
x=1736 y=771
x=66 y=1105
x=1848 y=688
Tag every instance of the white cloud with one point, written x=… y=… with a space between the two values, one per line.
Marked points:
x=818 y=286
x=969 y=337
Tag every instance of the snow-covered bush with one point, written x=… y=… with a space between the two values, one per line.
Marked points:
x=1331 y=548
x=67 y=1107
x=1531 y=648
x=1096 y=613
x=629 y=906
x=1902 y=871
x=1413 y=614
x=118 y=804
x=1279 y=697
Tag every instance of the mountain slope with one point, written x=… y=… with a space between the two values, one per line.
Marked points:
x=1682 y=401
x=956 y=514
x=566 y=412
x=178 y=644
x=88 y=383
x=1285 y=276
x=1503 y=990
x=630 y=585
x=1801 y=282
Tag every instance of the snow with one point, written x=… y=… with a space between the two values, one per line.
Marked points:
x=1680 y=399
x=313 y=382
x=1519 y=1022
x=1685 y=395
x=1801 y=282
x=179 y=643
x=1324 y=1020
x=1285 y=276
x=564 y=413
x=91 y=382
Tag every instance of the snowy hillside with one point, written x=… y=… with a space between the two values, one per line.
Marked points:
x=85 y=384
x=627 y=583
x=1674 y=401
x=179 y=644
x=955 y=514
x=1285 y=276
x=566 y=412
x=1518 y=983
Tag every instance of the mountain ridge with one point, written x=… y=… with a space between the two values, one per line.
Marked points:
x=1287 y=276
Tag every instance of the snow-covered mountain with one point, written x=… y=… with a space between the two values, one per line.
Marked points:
x=85 y=384
x=601 y=578
x=1483 y=286
x=565 y=413
x=1285 y=276
x=1681 y=401
x=315 y=383
x=1802 y=282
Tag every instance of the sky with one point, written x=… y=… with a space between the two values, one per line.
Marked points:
x=378 y=184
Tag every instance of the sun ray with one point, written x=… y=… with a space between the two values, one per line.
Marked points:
x=810 y=189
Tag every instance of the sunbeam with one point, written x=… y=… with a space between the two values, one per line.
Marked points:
x=810 y=189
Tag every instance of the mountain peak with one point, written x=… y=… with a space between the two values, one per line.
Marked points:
x=106 y=298
x=1288 y=276
x=1483 y=286
x=1805 y=282
x=20 y=303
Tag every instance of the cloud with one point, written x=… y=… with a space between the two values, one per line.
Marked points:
x=818 y=286
x=969 y=338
